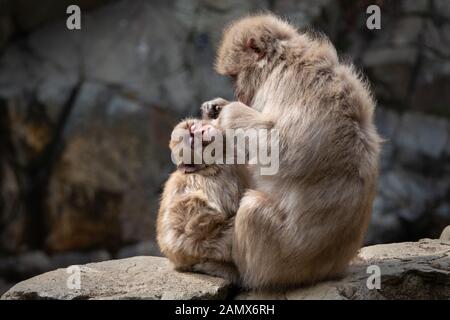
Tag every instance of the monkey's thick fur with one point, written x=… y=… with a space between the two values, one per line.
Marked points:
x=305 y=223
x=196 y=216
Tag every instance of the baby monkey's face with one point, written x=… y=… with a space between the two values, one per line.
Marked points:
x=205 y=132
x=188 y=142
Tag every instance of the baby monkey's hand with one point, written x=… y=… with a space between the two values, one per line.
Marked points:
x=211 y=109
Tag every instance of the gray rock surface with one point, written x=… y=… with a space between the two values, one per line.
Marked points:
x=132 y=278
x=409 y=270
x=445 y=235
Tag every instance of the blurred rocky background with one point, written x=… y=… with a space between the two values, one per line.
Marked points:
x=85 y=116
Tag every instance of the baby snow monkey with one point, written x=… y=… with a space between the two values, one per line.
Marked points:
x=198 y=205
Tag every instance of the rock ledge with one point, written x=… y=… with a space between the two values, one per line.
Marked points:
x=132 y=278
x=409 y=270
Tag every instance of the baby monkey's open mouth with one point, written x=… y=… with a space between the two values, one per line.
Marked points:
x=198 y=132
x=189 y=168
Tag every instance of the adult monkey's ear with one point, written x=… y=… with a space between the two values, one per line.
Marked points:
x=256 y=47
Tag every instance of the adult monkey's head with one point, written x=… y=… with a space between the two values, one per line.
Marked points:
x=249 y=50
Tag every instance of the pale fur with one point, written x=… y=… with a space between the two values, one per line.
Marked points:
x=305 y=223
x=196 y=216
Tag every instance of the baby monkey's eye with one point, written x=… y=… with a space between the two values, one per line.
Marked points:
x=233 y=77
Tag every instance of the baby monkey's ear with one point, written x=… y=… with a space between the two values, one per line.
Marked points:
x=257 y=47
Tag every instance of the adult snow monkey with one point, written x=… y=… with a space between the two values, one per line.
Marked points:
x=305 y=223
